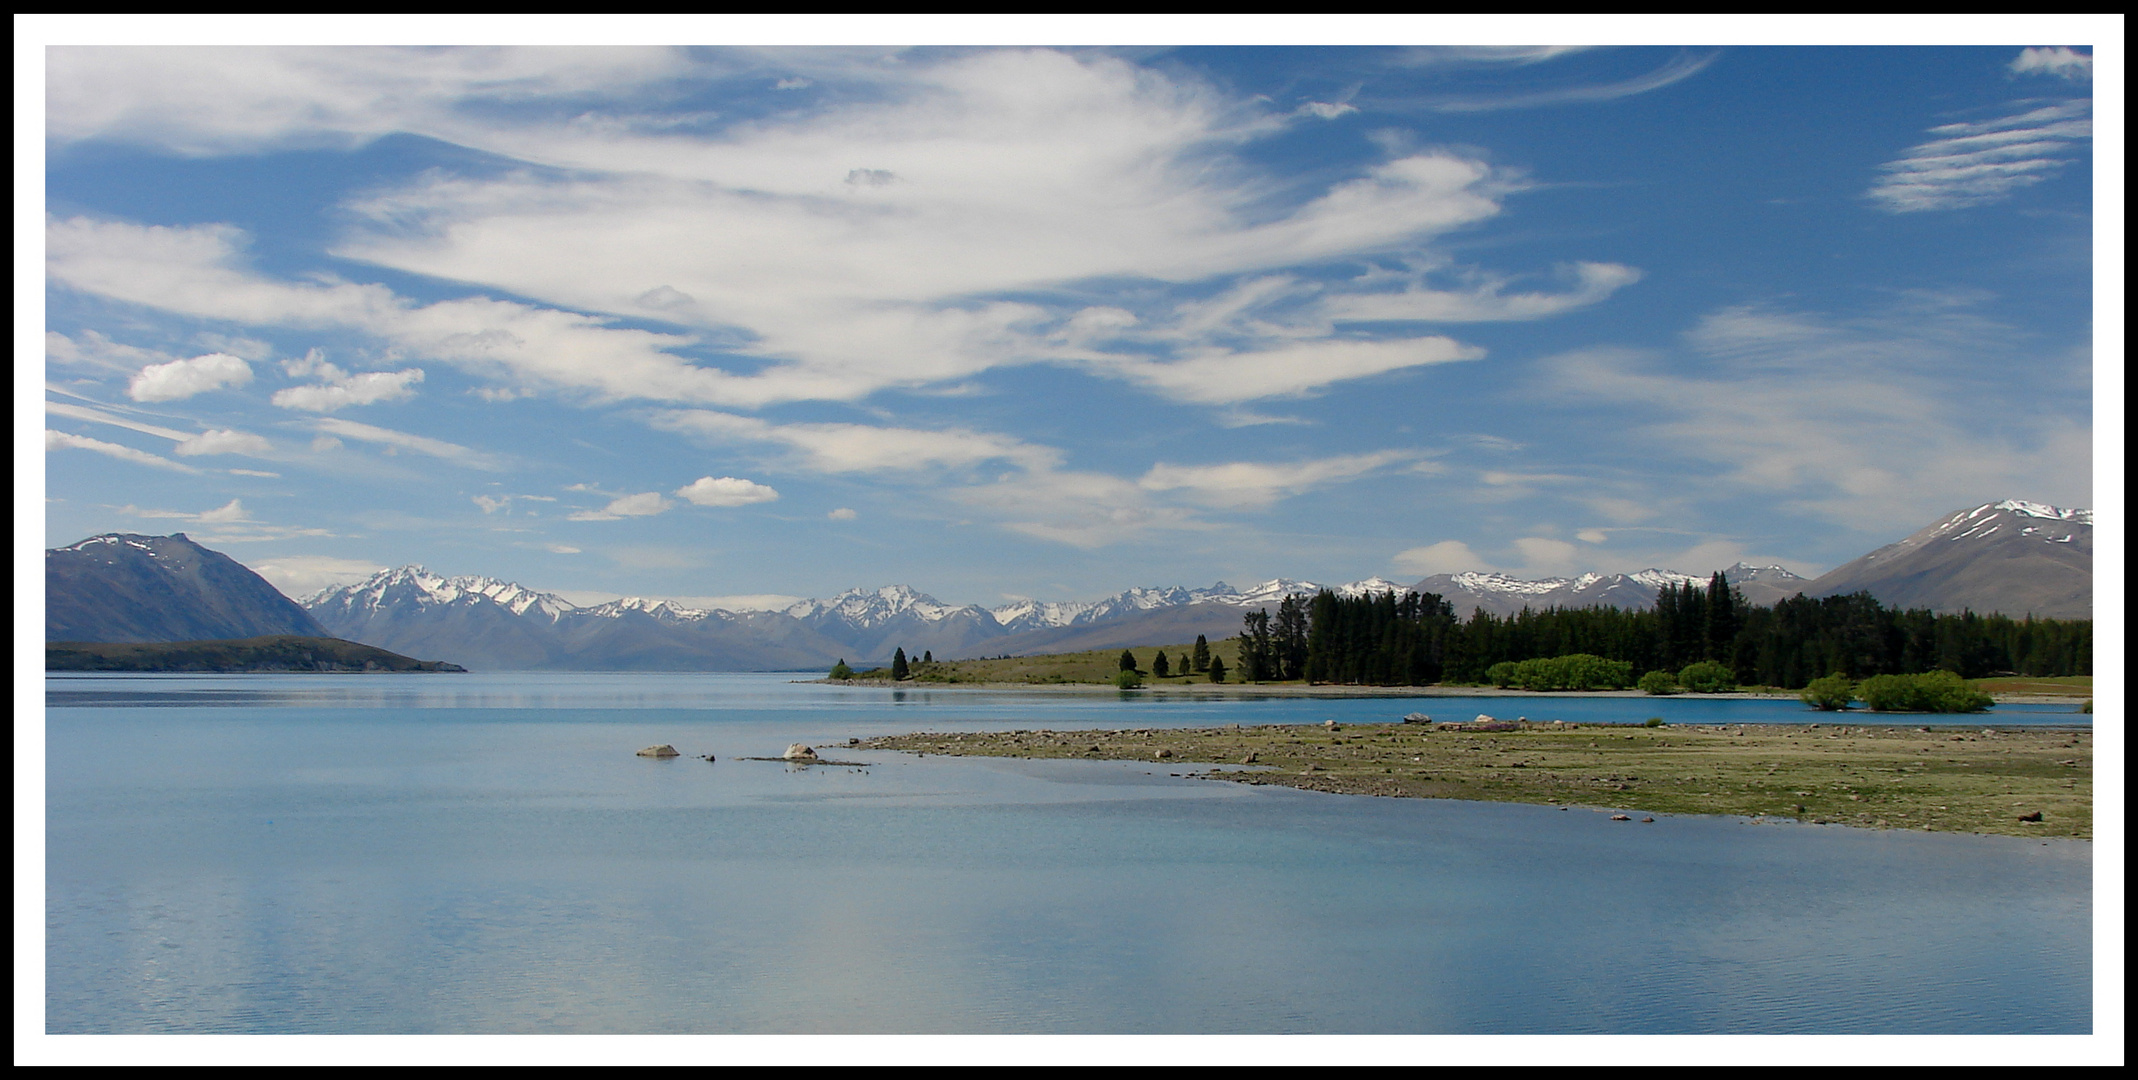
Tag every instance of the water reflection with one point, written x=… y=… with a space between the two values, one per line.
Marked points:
x=725 y=692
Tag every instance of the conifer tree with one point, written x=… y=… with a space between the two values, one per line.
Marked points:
x=928 y=656
x=1200 y=659
x=1217 y=669
x=1160 y=667
x=1128 y=660
x=899 y=669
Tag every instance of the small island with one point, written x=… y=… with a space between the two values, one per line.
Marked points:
x=272 y=653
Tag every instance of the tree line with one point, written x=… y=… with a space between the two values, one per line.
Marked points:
x=1383 y=640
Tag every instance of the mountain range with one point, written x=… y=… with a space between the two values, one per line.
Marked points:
x=2014 y=557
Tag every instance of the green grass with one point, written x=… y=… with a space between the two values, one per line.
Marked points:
x=2058 y=685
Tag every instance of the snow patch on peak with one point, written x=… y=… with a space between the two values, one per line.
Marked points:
x=1656 y=579
x=1481 y=581
x=872 y=607
x=660 y=609
x=2043 y=510
x=420 y=587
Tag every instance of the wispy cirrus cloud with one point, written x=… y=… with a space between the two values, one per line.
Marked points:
x=1678 y=68
x=1252 y=485
x=60 y=440
x=401 y=440
x=1982 y=162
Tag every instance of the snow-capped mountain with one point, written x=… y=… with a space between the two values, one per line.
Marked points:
x=2012 y=556
x=415 y=587
x=865 y=609
x=482 y=622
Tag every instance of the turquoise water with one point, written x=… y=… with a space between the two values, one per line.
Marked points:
x=485 y=853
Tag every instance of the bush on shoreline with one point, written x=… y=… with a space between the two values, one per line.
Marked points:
x=1576 y=671
x=1660 y=683
x=1933 y=691
x=1707 y=677
x=1830 y=694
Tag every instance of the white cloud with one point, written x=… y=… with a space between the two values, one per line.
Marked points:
x=363 y=388
x=300 y=576
x=230 y=523
x=1223 y=377
x=1862 y=421
x=1972 y=164
x=844 y=513
x=644 y=504
x=254 y=472
x=91 y=349
x=1545 y=557
x=1445 y=557
x=99 y=416
x=1593 y=536
x=725 y=491
x=401 y=440
x=232 y=511
x=184 y=378
x=849 y=448
x=201 y=100
x=1080 y=509
x=60 y=440
x=1251 y=485
x=1327 y=110
x=493 y=505
x=224 y=442
x=1593 y=282
x=2059 y=60
x=1011 y=170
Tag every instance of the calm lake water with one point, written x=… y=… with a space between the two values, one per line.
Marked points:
x=485 y=853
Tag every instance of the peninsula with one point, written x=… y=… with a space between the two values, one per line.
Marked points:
x=1938 y=777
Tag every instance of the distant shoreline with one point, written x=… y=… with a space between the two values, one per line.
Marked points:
x=1332 y=691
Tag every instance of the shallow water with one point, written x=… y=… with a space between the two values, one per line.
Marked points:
x=485 y=853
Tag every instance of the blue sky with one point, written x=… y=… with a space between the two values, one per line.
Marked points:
x=721 y=324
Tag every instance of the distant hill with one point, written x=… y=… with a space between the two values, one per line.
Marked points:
x=124 y=587
x=2018 y=558
x=258 y=654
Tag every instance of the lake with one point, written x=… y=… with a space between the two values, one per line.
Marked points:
x=486 y=854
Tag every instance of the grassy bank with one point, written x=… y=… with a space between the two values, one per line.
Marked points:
x=1950 y=779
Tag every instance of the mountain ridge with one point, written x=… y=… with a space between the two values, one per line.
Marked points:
x=485 y=622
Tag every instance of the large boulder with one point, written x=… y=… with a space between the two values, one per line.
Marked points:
x=663 y=750
x=800 y=752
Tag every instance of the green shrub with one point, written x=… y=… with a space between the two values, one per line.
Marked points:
x=1653 y=721
x=1576 y=671
x=1830 y=694
x=1127 y=680
x=1659 y=682
x=841 y=671
x=1707 y=677
x=1934 y=691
